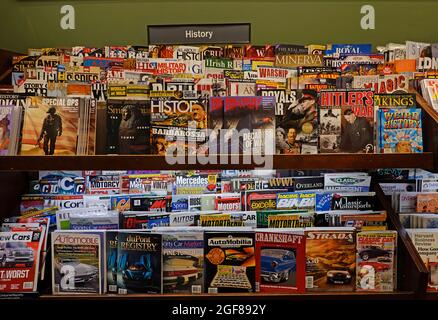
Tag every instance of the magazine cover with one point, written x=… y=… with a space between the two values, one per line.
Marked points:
x=346 y=121
x=233 y=219
x=346 y=182
x=229 y=261
x=186 y=219
x=111 y=260
x=60 y=182
x=6 y=118
x=21 y=260
x=280 y=262
x=139 y=263
x=149 y=203
x=248 y=122
x=76 y=263
x=426 y=242
x=216 y=120
x=50 y=126
x=128 y=125
x=304 y=200
x=43 y=225
x=177 y=124
x=183 y=260
x=196 y=184
x=331 y=259
x=291 y=220
x=265 y=217
x=376 y=261
x=427 y=202
x=400 y=130
x=296 y=117
x=345 y=201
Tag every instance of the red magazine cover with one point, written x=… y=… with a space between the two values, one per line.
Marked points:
x=19 y=268
x=280 y=262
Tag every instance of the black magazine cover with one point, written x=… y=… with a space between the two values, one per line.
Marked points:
x=139 y=263
x=128 y=125
x=111 y=260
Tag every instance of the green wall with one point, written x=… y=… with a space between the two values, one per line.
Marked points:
x=35 y=23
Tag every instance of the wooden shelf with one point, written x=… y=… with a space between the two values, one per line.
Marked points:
x=425 y=105
x=412 y=274
x=339 y=296
x=153 y=162
x=431 y=296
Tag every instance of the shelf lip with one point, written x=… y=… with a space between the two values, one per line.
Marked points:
x=399 y=295
x=431 y=295
x=425 y=105
x=156 y=162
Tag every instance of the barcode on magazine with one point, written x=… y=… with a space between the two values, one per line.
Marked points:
x=387 y=287
x=123 y=291
x=212 y=290
x=112 y=288
x=309 y=282
x=137 y=202
x=196 y=289
x=27 y=285
x=257 y=286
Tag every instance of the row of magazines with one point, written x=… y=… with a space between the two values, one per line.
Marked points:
x=286 y=99
x=416 y=204
x=197 y=260
x=279 y=241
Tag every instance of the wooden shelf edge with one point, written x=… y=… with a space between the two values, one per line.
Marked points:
x=154 y=162
x=425 y=105
x=431 y=296
x=398 y=295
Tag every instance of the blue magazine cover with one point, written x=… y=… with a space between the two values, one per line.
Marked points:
x=400 y=130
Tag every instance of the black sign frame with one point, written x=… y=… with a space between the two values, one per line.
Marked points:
x=170 y=34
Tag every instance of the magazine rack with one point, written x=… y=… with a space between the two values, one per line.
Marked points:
x=16 y=171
